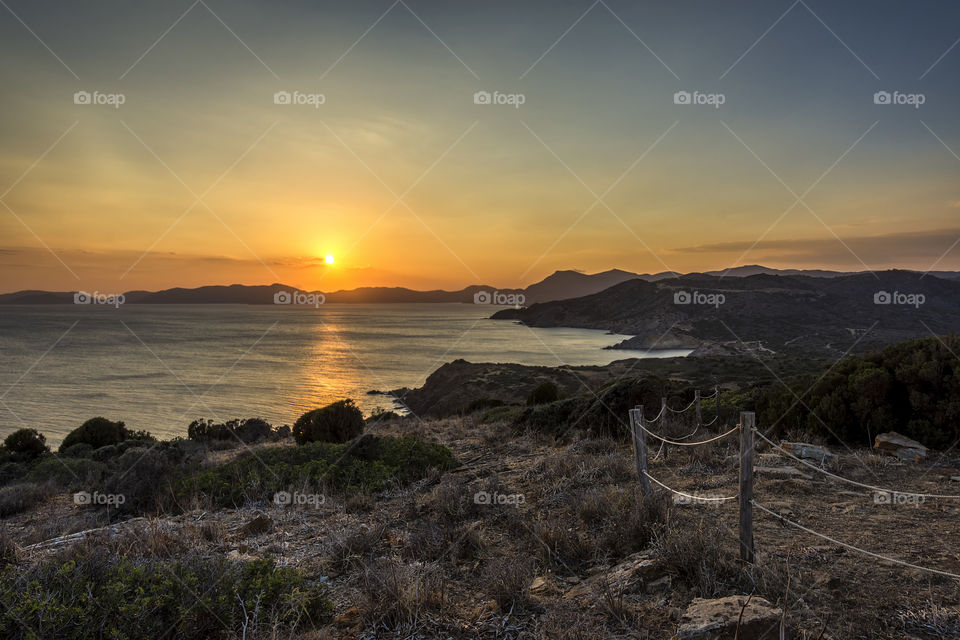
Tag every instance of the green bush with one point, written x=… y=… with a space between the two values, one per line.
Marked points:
x=79 y=450
x=543 y=393
x=84 y=594
x=912 y=387
x=339 y=468
x=74 y=474
x=29 y=443
x=337 y=422
x=234 y=431
x=97 y=432
x=482 y=404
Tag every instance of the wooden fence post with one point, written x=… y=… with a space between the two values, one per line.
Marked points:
x=640 y=447
x=747 y=425
x=696 y=398
x=663 y=422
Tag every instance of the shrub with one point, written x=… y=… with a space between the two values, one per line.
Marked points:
x=16 y=498
x=27 y=442
x=340 y=468
x=381 y=415
x=74 y=474
x=507 y=580
x=543 y=393
x=143 y=477
x=97 y=432
x=236 y=430
x=397 y=593
x=12 y=471
x=337 y=422
x=79 y=450
x=482 y=404
x=83 y=592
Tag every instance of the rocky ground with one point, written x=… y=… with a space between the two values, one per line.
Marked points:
x=531 y=538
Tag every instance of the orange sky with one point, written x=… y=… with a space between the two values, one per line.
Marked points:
x=199 y=177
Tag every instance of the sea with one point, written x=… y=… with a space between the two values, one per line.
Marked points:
x=158 y=367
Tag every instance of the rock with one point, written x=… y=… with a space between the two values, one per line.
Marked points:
x=660 y=584
x=808 y=451
x=783 y=472
x=620 y=578
x=955 y=478
x=895 y=444
x=538 y=585
x=260 y=524
x=717 y=619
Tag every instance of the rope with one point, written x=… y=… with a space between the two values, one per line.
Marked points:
x=689 y=444
x=687 y=495
x=707 y=424
x=854 y=482
x=711 y=396
x=684 y=410
x=851 y=547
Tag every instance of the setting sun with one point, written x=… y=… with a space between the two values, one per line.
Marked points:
x=329 y=259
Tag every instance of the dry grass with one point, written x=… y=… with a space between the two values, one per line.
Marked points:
x=507 y=580
x=396 y=593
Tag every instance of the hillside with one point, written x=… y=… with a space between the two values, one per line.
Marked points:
x=780 y=313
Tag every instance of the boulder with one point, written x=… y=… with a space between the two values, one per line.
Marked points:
x=808 y=451
x=895 y=444
x=718 y=619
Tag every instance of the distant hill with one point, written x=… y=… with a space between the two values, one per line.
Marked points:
x=711 y=314
x=560 y=285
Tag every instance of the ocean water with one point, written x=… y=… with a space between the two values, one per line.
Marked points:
x=158 y=367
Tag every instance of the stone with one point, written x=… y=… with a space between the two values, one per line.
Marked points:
x=260 y=524
x=718 y=619
x=808 y=451
x=539 y=584
x=900 y=446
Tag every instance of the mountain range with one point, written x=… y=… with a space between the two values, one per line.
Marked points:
x=560 y=285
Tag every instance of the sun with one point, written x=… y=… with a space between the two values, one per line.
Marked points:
x=329 y=259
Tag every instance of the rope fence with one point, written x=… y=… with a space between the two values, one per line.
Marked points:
x=747 y=429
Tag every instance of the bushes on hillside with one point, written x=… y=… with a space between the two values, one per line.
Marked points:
x=26 y=443
x=237 y=430
x=912 y=387
x=196 y=596
x=543 y=393
x=100 y=432
x=337 y=422
x=339 y=468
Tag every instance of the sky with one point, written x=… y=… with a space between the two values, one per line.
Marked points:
x=150 y=145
